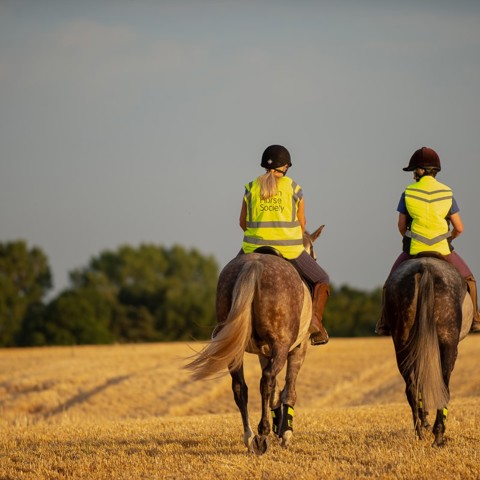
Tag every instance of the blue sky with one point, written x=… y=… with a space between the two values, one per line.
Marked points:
x=124 y=122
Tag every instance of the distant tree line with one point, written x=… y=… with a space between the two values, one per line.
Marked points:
x=352 y=313
x=144 y=294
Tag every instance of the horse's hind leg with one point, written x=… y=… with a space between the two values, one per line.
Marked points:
x=413 y=400
x=439 y=428
x=267 y=386
x=240 y=394
x=275 y=405
x=422 y=413
x=448 y=357
x=289 y=394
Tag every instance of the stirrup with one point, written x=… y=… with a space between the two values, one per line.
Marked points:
x=318 y=338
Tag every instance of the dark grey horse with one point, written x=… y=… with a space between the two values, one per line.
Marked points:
x=263 y=307
x=429 y=313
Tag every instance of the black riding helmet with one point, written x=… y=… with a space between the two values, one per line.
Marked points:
x=275 y=156
x=426 y=158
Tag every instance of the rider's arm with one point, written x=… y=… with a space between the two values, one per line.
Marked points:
x=457 y=225
x=243 y=216
x=301 y=214
x=402 y=223
x=402 y=215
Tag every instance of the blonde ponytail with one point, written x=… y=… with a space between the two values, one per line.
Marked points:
x=268 y=185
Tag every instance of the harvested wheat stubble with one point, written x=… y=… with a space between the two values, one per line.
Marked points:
x=131 y=412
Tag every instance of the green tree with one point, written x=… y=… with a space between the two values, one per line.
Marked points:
x=78 y=317
x=25 y=278
x=156 y=293
x=352 y=313
x=187 y=310
x=133 y=324
x=33 y=332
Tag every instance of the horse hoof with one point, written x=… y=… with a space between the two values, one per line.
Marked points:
x=420 y=435
x=259 y=444
x=287 y=438
x=438 y=443
x=248 y=440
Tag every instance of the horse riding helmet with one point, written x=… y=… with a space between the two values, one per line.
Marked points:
x=424 y=158
x=275 y=156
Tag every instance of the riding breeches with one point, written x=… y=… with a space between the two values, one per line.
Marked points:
x=309 y=269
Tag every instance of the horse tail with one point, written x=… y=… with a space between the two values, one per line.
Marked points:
x=226 y=350
x=422 y=351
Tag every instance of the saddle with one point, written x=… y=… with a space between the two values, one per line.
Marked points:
x=430 y=254
x=269 y=251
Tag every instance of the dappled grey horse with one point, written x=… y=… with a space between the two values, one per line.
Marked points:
x=429 y=312
x=263 y=307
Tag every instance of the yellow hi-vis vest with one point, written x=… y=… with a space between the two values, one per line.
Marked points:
x=273 y=222
x=429 y=203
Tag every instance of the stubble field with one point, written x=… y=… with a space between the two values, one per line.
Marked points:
x=131 y=412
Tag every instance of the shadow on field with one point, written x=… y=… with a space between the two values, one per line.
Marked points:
x=84 y=396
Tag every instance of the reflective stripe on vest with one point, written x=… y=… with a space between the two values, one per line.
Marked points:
x=428 y=241
x=273 y=222
x=428 y=203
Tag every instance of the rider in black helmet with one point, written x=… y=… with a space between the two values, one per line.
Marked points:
x=273 y=215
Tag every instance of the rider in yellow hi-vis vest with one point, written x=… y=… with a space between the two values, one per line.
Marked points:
x=273 y=215
x=426 y=210
x=273 y=221
x=429 y=203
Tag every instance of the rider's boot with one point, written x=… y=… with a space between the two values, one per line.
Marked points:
x=472 y=289
x=319 y=335
x=383 y=328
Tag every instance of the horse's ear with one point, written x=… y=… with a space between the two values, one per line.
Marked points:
x=317 y=233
